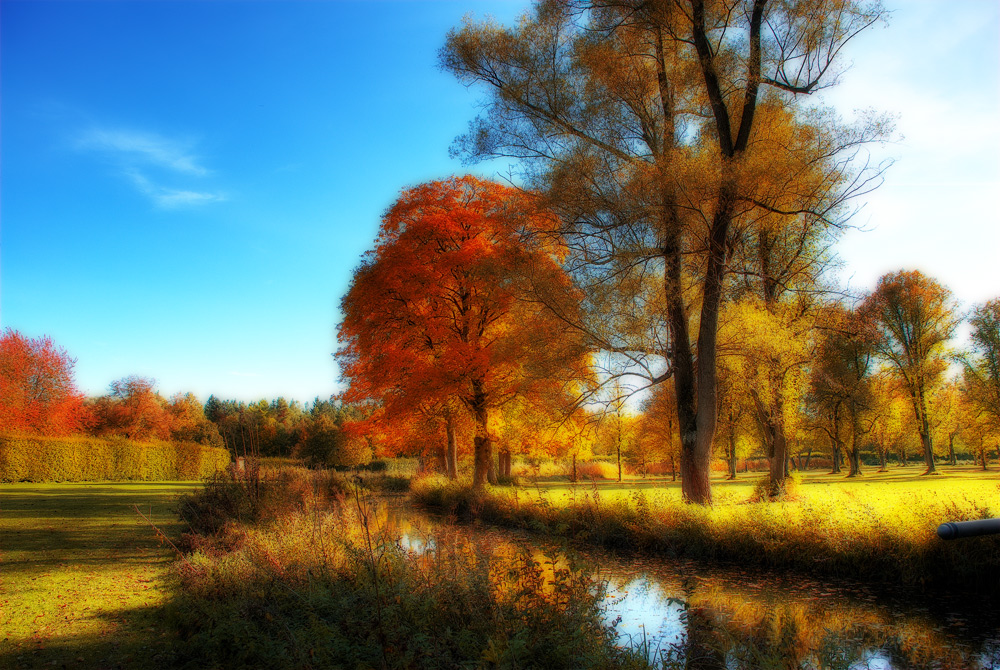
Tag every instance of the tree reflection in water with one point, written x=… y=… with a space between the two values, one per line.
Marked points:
x=699 y=617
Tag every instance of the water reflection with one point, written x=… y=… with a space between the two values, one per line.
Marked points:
x=688 y=615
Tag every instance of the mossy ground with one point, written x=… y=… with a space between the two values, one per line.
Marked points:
x=82 y=577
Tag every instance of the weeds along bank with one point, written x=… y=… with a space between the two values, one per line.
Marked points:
x=881 y=535
x=75 y=459
x=300 y=568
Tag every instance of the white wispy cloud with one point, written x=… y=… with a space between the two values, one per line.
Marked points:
x=149 y=160
x=142 y=147
x=169 y=198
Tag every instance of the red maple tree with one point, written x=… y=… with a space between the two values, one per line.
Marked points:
x=37 y=391
x=455 y=304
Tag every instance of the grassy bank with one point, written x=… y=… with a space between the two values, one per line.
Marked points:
x=880 y=527
x=302 y=571
x=317 y=578
x=82 y=577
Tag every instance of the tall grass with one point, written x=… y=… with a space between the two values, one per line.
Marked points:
x=314 y=577
x=849 y=533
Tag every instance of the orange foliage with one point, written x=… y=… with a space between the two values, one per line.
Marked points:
x=133 y=409
x=37 y=391
x=447 y=309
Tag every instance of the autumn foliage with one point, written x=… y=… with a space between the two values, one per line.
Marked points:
x=37 y=391
x=451 y=311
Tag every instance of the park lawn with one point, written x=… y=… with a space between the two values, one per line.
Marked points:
x=897 y=487
x=900 y=502
x=82 y=577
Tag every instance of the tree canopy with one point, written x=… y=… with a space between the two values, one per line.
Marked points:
x=915 y=316
x=451 y=306
x=37 y=390
x=665 y=134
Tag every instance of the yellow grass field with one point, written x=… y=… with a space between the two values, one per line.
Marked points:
x=887 y=490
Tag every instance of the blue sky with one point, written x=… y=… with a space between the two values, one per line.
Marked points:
x=187 y=186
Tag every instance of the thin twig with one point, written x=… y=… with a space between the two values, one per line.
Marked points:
x=160 y=533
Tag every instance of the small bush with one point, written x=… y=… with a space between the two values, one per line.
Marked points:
x=765 y=491
x=255 y=493
x=595 y=470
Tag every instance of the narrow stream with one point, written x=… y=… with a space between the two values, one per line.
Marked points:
x=689 y=614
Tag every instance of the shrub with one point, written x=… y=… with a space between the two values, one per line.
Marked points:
x=766 y=491
x=74 y=459
x=595 y=470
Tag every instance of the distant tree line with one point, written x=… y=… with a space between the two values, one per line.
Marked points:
x=38 y=396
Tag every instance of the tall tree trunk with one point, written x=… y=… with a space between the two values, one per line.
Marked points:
x=835 y=439
x=451 y=457
x=694 y=384
x=778 y=465
x=775 y=442
x=694 y=467
x=923 y=425
x=619 y=460
x=505 y=461
x=491 y=472
x=854 y=457
x=809 y=454
x=952 y=458
x=695 y=486
x=485 y=468
x=731 y=455
x=696 y=449
x=855 y=451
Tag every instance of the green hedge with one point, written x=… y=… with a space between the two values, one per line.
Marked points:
x=74 y=459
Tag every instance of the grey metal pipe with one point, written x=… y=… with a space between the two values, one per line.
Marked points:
x=954 y=530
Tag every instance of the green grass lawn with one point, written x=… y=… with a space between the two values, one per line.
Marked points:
x=82 y=577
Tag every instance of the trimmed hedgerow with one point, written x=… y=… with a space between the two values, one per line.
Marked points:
x=75 y=459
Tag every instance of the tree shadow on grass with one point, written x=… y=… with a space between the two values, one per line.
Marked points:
x=82 y=576
x=130 y=638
